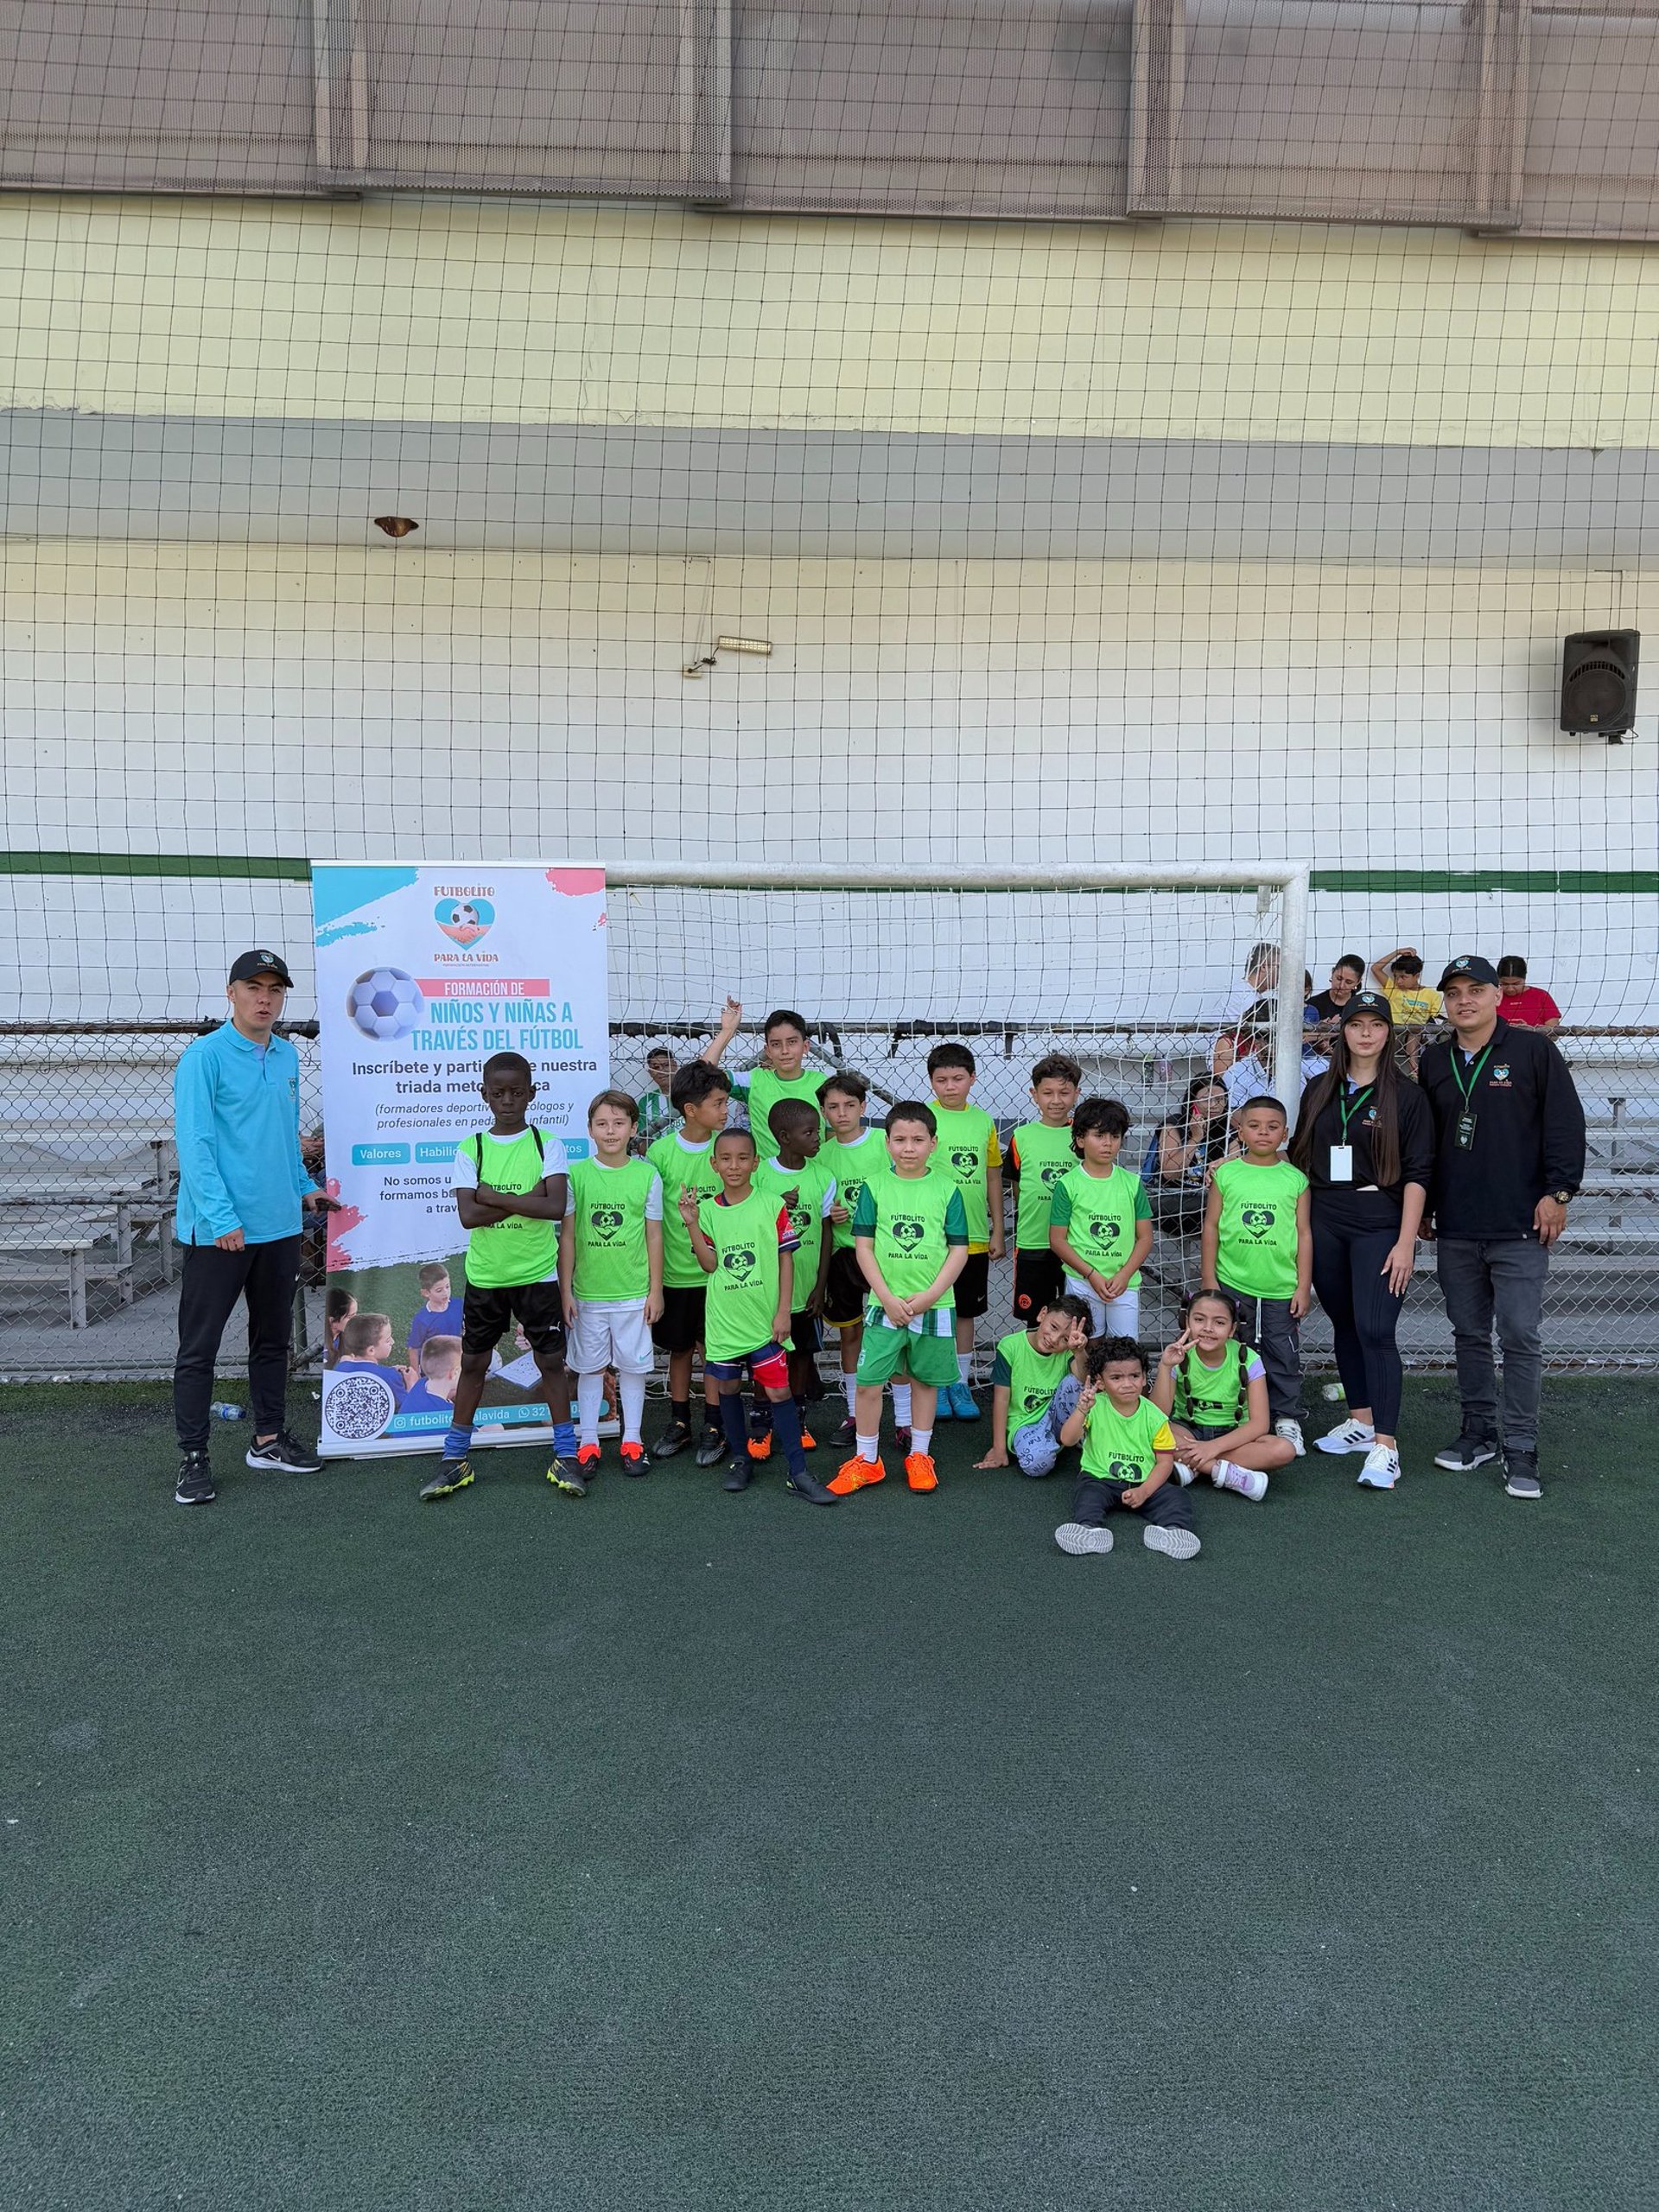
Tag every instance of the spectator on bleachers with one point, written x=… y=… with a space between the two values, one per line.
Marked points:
x=1346 y=977
x=1183 y=1150
x=1524 y=1005
x=1261 y=980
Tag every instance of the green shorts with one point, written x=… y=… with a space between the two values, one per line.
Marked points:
x=886 y=1352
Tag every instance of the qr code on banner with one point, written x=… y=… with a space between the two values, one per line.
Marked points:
x=359 y=1407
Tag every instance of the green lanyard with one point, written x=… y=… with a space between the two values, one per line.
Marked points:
x=1466 y=1092
x=1348 y=1107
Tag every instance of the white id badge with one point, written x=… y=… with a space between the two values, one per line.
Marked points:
x=1341 y=1163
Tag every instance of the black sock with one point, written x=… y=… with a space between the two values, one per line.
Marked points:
x=679 y=1409
x=711 y=1418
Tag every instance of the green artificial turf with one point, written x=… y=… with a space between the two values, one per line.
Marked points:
x=672 y=1849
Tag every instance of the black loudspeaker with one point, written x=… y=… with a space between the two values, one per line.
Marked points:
x=1599 y=682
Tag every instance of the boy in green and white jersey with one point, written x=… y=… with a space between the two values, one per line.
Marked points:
x=1040 y=1153
x=911 y=1232
x=1257 y=1245
x=1035 y=1381
x=510 y=1187
x=611 y=1275
x=685 y=1159
x=969 y=1153
x=657 y=1114
x=852 y=1155
x=1100 y=1221
x=745 y=1248
x=782 y=1074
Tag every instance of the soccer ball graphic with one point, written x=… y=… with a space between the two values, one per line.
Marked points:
x=464 y=914
x=384 y=1002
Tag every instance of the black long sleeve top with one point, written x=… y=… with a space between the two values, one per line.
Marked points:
x=1529 y=1135
x=1416 y=1141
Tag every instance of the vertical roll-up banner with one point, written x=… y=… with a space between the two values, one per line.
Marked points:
x=423 y=973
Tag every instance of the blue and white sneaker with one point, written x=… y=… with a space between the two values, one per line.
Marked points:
x=964 y=1404
x=1382 y=1468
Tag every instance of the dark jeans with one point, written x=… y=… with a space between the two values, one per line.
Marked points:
x=1269 y=1325
x=1496 y=1281
x=1093 y=1498
x=1354 y=1231
x=212 y=1281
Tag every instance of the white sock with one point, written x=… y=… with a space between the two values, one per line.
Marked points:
x=849 y=1384
x=868 y=1448
x=965 y=1366
x=590 y=1395
x=901 y=1404
x=631 y=1390
x=920 y=1439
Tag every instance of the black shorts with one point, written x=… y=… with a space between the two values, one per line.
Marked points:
x=846 y=1293
x=805 y=1331
x=971 y=1292
x=487 y=1314
x=681 y=1326
x=1039 y=1280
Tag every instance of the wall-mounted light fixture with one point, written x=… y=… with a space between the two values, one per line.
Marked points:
x=395 y=525
x=761 y=646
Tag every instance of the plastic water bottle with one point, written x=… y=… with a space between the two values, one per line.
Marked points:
x=225 y=1411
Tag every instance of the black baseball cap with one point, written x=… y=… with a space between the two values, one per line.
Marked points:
x=1468 y=968
x=247 y=965
x=1370 y=1003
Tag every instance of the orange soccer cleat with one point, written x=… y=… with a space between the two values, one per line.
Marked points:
x=809 y=1442
x=856 y=1474
x=921 y=1472
x=588 y=1456
x=760 y=1447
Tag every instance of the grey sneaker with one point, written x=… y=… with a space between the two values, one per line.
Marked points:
x=1074 y=1537
x=1471 y=1450
x=195 y=1484
x=1174 y=1543
x=711 y=1447
x=1521 y=1474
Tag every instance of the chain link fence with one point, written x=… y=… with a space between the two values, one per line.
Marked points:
x=89 y=1271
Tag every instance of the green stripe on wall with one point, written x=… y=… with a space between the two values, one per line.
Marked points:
x=1547 y=882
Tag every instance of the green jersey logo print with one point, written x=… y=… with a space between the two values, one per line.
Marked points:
x=1122 y=1470
x=1032 y=1402
x=740 y=1262
x=1257 y=1219
x=1053 y=1170
x=604 y=1221
x=1102 y=1232
x=963 y=1160
x=908 y=1231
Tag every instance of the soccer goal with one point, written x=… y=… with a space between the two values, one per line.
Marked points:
x=1132 y=972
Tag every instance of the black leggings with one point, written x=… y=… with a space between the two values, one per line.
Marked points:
x=1354 y=1231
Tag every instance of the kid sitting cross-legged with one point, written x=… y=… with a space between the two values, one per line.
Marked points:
x=1215 y=1390
x=969 y=1154
x=510 y=1189
x=1128 y=1454
x=611 y=1275
x=1100 y=1221
x=852 y=1155
x=910 y=1234
x=1034 y=1385
x=745 y=1248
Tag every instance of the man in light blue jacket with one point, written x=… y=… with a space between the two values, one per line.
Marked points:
x=242 y=1188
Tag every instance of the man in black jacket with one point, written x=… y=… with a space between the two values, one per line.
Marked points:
x=1510 y=1157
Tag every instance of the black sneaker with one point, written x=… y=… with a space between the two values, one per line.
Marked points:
x=195 y=1482
x=285 y=1455
x=711 y=1447
x=807 y=1487
x=738 y=1473
x=846 y=1434
x=566 y=1476
x=1471 y=1450
x=1521 y=1474
x=760 y=1422
x=448 y=1476
x=676 y=1437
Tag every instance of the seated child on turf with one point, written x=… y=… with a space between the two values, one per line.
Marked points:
x=611 y=1275
x=510 y=1186
x=439 y=1314
x=1100 y=1221
x=337 y=1308
x=1035 y=1381
x=1040 y=1153
x=746 y=1247
x=1215 y=1390
x=852 y=1155
x=365 y=1349
x=808 y=1190
x=971 y=1154
x=1129 y=1455
x=434 y=1387
x=1257 y=1245
x=685 y=1160
x=910 y=1233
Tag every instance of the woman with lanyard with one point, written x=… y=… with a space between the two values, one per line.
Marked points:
x=1365 y=1141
